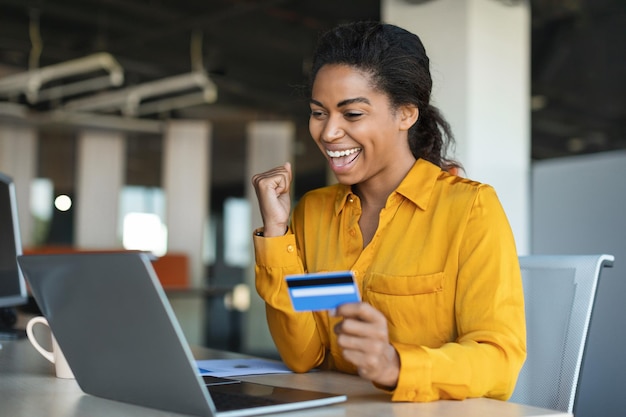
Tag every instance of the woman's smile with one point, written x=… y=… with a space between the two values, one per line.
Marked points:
x=340 y=159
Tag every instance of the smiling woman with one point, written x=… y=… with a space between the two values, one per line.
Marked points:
x=364 y=138
x=433 y=255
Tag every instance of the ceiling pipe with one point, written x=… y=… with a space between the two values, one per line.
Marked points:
x=30 y=82
x=129 y=100
x=172 y=103
x=21 y=114
x=102 y=121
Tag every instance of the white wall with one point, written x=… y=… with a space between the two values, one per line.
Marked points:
x=101 y=165
x=579 y=207
x=479 y=54
x=18 y=147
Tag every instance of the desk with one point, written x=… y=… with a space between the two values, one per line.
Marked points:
x=28 y=388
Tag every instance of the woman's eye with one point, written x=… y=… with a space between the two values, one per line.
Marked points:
x=317 y=113
x=352 y=115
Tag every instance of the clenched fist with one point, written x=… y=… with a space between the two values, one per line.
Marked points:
x=272 y=190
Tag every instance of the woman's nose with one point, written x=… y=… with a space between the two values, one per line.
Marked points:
x=332 y=131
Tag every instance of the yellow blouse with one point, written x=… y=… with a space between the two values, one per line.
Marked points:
x=442 y=267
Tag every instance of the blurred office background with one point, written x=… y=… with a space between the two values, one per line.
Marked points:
x=137 y=124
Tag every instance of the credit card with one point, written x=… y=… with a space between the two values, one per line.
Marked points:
x=322 y=290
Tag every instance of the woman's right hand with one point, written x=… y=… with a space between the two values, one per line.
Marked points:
x=272 y=190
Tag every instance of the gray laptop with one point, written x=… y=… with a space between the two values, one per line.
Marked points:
x=121 y=338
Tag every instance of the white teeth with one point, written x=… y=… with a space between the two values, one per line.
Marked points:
x=337 y=154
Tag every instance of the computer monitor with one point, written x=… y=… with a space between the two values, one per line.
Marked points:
x=12 y=285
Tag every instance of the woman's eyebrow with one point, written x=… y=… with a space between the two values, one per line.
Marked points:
x=352 y=101
x=344 y=102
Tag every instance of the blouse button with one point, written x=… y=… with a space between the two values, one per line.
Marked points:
x=351 y=200
x=290 y=248
x=352 y=232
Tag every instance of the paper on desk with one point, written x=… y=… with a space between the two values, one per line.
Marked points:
x=239 y=367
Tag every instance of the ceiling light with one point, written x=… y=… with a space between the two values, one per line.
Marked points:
x=30 y=83
x=129 y=100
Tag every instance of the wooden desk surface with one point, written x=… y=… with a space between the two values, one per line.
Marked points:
x=29 y=388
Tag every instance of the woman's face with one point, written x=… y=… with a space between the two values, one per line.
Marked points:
x=355 y=127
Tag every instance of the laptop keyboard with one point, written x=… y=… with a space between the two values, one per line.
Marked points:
x=225 y=401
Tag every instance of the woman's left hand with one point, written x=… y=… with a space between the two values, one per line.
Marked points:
x=363 y=336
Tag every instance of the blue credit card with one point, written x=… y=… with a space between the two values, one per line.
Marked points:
x=322 y=290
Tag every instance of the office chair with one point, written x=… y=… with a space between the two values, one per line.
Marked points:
x=559 y=293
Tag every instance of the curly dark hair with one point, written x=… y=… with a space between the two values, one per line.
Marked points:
x=398 y=66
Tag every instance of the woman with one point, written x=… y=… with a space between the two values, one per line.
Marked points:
x=442 y=312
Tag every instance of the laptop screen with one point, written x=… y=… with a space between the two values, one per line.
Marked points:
x=12 y=286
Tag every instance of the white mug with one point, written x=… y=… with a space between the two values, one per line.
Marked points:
x=56 y=356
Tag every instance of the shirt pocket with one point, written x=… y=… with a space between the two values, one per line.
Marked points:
x=415 y=307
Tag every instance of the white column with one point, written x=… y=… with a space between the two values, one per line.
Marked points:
x=269 y=144
x=18 y=159
x=186 y=181
x=479 y=52
x=187 y=152
x=101 y=165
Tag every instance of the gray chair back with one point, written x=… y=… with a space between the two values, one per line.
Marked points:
x=559 y=293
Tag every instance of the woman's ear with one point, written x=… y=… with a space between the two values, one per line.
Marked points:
x=408 y=116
